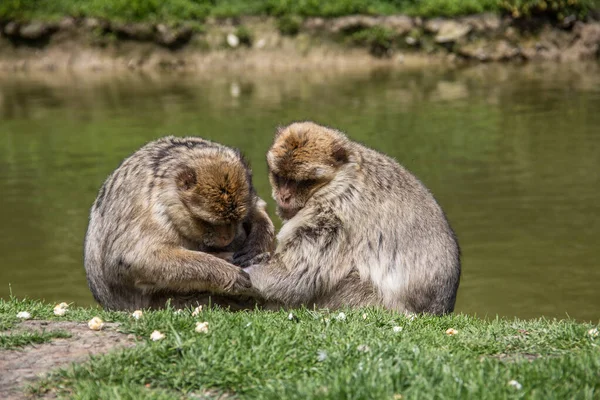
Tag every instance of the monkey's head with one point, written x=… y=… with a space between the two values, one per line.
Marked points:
x=216 y=194
x=303 y=158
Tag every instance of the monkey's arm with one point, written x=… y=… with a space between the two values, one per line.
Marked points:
x=260 y=235
x=308 y=262
x=178 y=269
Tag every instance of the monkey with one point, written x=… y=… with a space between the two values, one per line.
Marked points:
x=358 y=229
x=166 y=223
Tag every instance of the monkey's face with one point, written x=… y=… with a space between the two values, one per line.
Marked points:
x=216 y=196
x=304 y=158
x=291 y=195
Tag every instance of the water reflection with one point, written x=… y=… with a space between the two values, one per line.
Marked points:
x=512 y=154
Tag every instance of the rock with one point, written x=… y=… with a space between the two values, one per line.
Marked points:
x=135 y=31
x=483 y=23
x=401 y=24
x=434 y=25
x=451 y=31
x=173 y=37
x=261 y=43
x=314 y=24
x=590 y=35
x=353 y=22
x=500 y=50
x=11 y=29
x=587 y=44
x=569 y=21
x=36 y=30
x=541 y=51
x=504 y=51
x=511 y=33
x=67 y=23
x=93 y=23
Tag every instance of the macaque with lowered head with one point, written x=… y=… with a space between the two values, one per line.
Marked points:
x=167 y=222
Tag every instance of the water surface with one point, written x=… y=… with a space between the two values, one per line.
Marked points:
x=512 y=153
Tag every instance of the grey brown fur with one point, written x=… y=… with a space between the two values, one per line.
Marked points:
x=359 y=229
x=165 y=223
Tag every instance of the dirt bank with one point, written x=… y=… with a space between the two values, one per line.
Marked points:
x=264 y=43
x=24 y=365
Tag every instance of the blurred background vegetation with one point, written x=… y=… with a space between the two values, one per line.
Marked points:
x=174 y=10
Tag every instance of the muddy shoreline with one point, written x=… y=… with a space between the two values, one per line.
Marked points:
x=260 y=43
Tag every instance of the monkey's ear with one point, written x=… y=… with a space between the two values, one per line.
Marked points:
x=279 y=131
x=186 y=178
x=339 y=153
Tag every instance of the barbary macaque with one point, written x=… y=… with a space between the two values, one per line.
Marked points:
x=358 y=229
x=167 y=221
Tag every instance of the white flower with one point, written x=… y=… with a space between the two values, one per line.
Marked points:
x=61 y=309
x=593 y=333
x=451 y=331
x=23 y=315
x=364 y=316
x=341 y=316
x=261 y=43
x=196 y=311
x=397 y=329
x=137 y=314
x=364 y=348
x=235 y=90
x=291 y=316
x=156 y=335
x=201 y=327
x=95 y=324
x=411 y=317
x=515 y=384
x=248 y=324
x=321 y=355
x=233 y=40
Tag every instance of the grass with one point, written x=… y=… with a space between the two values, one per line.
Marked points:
x=178 y=10
x=326 y=355
x=20 y=339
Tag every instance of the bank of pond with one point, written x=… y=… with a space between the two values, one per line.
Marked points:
x=350 y=353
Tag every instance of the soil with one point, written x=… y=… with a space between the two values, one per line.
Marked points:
x=21 y=367
x=93 y=44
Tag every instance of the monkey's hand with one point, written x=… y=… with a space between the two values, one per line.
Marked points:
x=260 y=239
x=235 y=280
x=244 y=260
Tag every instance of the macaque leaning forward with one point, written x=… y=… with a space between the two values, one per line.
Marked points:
x=168 y=221
x=358 y=229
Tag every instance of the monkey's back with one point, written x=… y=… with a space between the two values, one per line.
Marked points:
x=126 y=219
x=409 y=250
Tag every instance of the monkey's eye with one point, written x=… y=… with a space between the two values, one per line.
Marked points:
x=279 y=180
x=306 y=183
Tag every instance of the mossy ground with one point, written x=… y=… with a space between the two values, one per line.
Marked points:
x=320 y=354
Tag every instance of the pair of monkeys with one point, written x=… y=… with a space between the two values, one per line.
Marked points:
x=180 y=221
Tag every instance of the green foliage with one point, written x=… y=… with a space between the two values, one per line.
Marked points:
x=15 y=8
x=289 y=25
x=380 y=40
x=245 y=36
x=434 y=8
x=138 y=10
x=558 y=9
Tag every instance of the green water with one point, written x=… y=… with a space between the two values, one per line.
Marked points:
x=511 y=153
